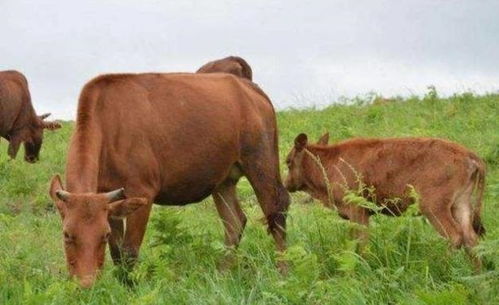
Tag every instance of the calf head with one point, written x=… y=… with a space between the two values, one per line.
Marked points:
x=86 y=228
x=295 y=180
x=32 y=136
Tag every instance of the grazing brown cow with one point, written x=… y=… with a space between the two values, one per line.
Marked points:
x=171 y=139
x=232 y=64
x=448 y=178
x=18 y=120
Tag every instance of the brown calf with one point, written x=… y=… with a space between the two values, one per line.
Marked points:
x=232 y=64
x=444 y=174
x=171 y=139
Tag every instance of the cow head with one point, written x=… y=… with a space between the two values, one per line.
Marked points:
x=32 y=136
x=294 y=181
x=86 y=228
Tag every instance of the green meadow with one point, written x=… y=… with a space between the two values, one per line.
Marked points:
x=406 y=261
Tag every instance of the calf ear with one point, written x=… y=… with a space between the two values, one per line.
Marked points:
x=123 y=208
x=301 y=141
x=324 y=139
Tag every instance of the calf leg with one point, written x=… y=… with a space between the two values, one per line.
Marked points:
x=361 y=217
x=438 y=212
x=232 y=217
x=463 y=214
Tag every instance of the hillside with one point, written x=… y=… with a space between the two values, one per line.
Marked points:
x=406 y=261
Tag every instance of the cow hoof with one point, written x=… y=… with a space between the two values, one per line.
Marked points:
x=227 y=263
x=122 y=273
x=283 y=267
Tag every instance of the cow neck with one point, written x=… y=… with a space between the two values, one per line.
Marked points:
x=82 y=169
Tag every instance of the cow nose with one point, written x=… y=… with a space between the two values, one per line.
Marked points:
x=290 y=187
x=31 y=159
x=287 y=185
x=87 y=281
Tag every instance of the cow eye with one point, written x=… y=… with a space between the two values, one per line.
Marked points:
x=105 y=238
x=68 y=239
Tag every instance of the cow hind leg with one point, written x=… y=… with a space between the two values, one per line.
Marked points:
x=232 y=216
x=263 y=174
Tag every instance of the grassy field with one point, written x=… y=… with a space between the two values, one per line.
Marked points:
x=406 y=261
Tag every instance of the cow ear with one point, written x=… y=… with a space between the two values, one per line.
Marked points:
x=55 y=186
x=324 y=139
x=14 y=144
x=301 y=141
x=50 y=125
x=122 y=208
x=56 y=192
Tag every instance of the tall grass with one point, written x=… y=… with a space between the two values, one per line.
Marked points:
x=406 y=262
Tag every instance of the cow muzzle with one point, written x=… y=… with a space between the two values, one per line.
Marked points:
x=86 y=281
x=289 y=186
x=31 y=159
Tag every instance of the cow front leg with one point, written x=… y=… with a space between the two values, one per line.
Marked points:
x=116 y=239
x=136 y=224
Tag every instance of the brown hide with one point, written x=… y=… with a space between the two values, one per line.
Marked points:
x=232 y=64
x=444 y=174
x=171 y=139
x=18 y=120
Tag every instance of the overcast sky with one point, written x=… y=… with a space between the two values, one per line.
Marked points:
x=302 y=53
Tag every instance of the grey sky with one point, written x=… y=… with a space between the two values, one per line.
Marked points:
x=302 y=52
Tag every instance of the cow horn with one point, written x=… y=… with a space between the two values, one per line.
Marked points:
x=62 y=195
x=116 y=195
x=44 y=116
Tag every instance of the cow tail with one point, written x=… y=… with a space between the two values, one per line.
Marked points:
x=479 y=177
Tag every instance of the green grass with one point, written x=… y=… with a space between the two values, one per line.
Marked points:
x=406 y=261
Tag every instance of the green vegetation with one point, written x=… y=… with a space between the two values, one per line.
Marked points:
x=406 y=262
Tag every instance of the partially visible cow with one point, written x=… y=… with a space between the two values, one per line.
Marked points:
x=171 y=139
x=449 y=179
x=232 y=64
x=18 y=120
